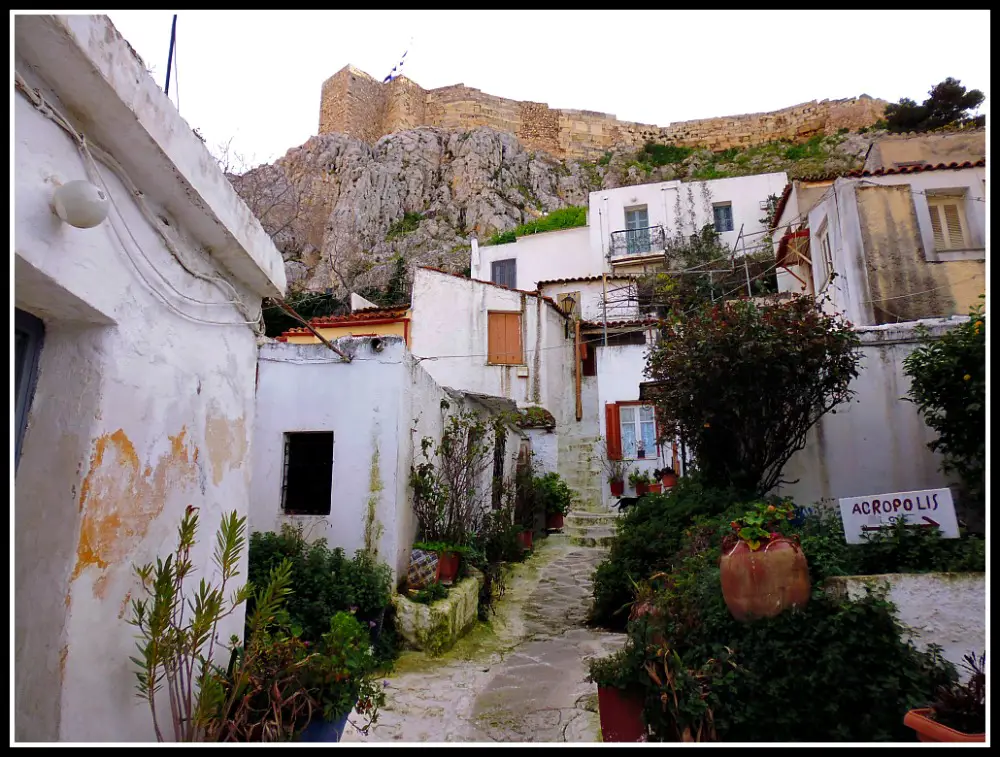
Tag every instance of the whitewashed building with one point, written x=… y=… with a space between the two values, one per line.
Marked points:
x=136 y=292
x=334 y=442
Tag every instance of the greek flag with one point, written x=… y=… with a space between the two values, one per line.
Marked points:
x=396 y=70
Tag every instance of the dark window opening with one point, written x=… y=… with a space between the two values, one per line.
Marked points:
x=504 y=272
x=29 y=333
x=624 y=338
x=308 y=475
x=499 y=453
x=590 y=358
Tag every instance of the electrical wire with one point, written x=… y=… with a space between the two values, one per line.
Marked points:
x=88 y=152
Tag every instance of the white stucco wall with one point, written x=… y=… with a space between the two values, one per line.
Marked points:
x=379 y=408
x=849 y=293
x=139 y=411
x=541 y=257
x=947 y=609
x=622 y=303
x=545 y=450
x=619 y=371
x=877 y=442
x=449 y=335
x=305 y=387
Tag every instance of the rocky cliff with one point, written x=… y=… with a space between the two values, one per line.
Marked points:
x=349 y=216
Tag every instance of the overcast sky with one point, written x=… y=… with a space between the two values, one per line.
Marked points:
x=255 y=76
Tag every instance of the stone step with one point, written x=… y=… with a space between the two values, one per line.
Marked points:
x=591 y=541
x=585 y=519
x=592 y=532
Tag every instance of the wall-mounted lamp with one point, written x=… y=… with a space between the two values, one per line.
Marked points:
x=81 y=204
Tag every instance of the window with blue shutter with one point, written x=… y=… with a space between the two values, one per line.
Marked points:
x=723 y=217
x=504 y=272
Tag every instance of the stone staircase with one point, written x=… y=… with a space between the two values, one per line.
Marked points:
x=589 y=523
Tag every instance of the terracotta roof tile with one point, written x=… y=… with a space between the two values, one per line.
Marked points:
x=859 y=174
x=352 y=319
x=584 y=279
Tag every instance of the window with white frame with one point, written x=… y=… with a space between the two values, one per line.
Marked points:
x=637 y=237
x=826 y=253
x=638 y=425
x=948 y=222
x=723 y=216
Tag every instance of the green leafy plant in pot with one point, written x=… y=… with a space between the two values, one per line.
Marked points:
x=449 y=558
x=620 y=694
x=958 y=714
x=555 y=496
x=763 y=573
x=639 y=480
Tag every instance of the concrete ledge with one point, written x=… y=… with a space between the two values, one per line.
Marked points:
x=435 y=628
x=948 y=609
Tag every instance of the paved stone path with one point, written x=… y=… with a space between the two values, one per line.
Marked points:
x=522 y=678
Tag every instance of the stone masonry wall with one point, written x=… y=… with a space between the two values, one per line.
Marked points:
x=355 y=104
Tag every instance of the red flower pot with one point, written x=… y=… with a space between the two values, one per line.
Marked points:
x=641 y=489
x=930 y=730
x=765 y=582
x=554 y=521
x=448 y=563
x=655 y=488
x=525 y=538
x=669 y=480
x=621 y=714
x=617 y=488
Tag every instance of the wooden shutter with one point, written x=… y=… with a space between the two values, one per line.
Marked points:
x=937 y=228
x=504 y=339
x=956 y=239
x=946 y=223
x=613 y=431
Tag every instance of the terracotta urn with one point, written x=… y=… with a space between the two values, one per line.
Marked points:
x=448 y=563
x=617 y=488
x=763 y=583
x=930 y=730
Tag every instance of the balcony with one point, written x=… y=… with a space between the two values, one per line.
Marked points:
x=630 y=243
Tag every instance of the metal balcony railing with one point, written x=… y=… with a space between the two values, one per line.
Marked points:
x=630 y=242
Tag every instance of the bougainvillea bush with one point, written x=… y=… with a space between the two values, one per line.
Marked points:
x=742 y=384
x=949 y=387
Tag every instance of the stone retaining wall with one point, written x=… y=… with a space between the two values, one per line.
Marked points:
x=435 y=628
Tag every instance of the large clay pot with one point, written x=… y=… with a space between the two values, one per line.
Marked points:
x=621 y=714
x=669 y=480
x=930 y=730
x=641 y=488
x=448 y=563
x=655 y=488
x=617 y=488
x=763 y=583
x=526 y=539
x=554 y=521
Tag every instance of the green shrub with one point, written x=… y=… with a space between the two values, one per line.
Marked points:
x=662 y=155
x=409 y=222
x=647 y=537
x=564 y=218
x=604 y=159
x=809 y=674
x=493 y=547
x=501 y=237
x=326 y=582
x=430 y=593
x=948 y=378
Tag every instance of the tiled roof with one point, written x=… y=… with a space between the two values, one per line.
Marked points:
x=782 y=202
x=782 y=256
x=620 y=324
x=357 y=318
x=859 y=174
x=584 y=279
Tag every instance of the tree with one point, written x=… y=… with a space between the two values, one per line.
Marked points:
x=948 y=105
x=741 y=385
x=948 y=378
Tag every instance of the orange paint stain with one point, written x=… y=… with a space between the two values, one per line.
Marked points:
x=120 y=497
x=63 y=655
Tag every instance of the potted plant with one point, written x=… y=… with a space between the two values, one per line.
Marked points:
x=639 y=480
x=666 y=476
x=615 y=469
x=449 y=559
x=343 y=675
x=555 y=496
x=958 y=714
x=617 y=482
x=655 y=486
x=620 y=697
x=763 y=573
x=525 y=538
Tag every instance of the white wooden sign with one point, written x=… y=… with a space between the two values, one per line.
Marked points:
x=925 y=508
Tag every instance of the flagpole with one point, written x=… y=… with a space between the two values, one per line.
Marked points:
x=170 y=54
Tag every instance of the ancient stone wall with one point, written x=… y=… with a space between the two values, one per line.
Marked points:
x=353 y=103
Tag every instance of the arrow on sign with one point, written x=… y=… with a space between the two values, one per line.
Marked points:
x=931 y=522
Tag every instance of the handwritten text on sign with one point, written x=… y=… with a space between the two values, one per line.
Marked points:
x=927 y=508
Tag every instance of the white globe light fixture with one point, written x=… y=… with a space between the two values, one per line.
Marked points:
x=81 y=204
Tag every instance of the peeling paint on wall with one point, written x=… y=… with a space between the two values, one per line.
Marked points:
x=227 y=444
x=373 y=528
x=118 y=502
